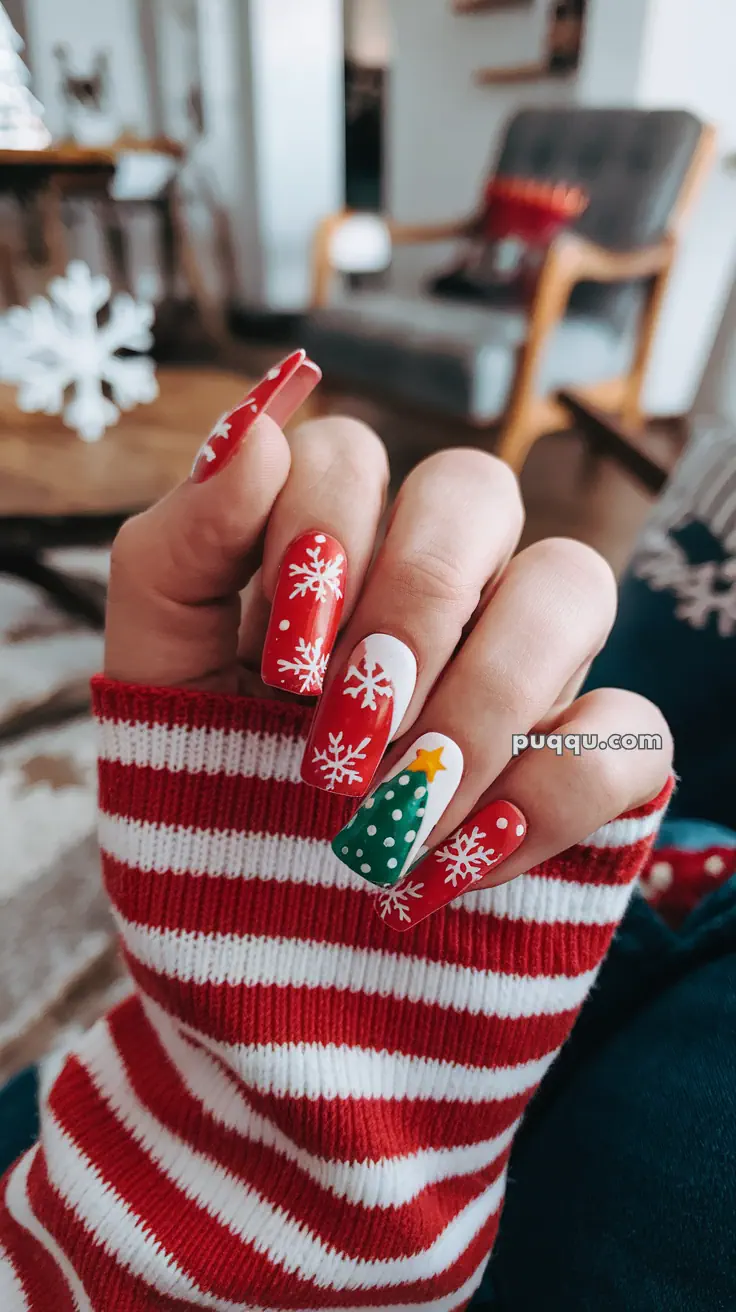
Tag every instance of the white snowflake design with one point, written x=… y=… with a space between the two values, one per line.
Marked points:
x=221 y=429
x=370 y=683
x=54 y=345
x=397 y=899
x=700 y=590
x=317 y=575
x=338 y=762
x=308 y=664
x=466 y=858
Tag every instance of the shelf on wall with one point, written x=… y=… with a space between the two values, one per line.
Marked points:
x=486 y=77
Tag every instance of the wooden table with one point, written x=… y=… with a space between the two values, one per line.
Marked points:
x=57 y=491
x=42 y=180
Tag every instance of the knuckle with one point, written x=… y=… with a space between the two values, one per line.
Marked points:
x=434 y=579
x=468 y=467
x=583 y=574
x=340 y=443
x=579 y=563
x=631 y=775
x=511 y=688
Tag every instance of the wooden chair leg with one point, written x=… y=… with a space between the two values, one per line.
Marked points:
x=116 y=246
x=8 y=278
x=526 y=422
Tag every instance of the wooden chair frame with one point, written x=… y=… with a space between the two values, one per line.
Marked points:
x=569 y=261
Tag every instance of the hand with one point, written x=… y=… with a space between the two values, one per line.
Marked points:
x=469 y=649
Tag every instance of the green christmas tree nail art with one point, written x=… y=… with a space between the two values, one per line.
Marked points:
x=382 y=839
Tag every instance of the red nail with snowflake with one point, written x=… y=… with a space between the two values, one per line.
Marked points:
x=280 y=394
x=305 y=616
x=466 y=858
x=359 y=716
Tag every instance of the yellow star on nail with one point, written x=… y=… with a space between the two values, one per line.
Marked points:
x=428 y=762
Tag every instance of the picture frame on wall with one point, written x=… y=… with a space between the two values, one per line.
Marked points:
x=562 y=49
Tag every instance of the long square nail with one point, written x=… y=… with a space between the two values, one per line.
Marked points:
x=305 y=616
x=359 y=715
x=289 y=382
x=465 y=858
x=388 y=831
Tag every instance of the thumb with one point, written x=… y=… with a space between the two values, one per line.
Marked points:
x=177 y=570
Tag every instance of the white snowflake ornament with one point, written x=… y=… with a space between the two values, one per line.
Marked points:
x=57 y=344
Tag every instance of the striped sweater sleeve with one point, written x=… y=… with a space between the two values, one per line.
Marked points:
x=296 y=1108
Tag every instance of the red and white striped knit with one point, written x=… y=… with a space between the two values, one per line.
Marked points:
x=298 y=1109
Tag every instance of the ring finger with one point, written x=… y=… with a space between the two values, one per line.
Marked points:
x=551 y=612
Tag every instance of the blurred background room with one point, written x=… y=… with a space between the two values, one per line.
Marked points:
x=509 y=223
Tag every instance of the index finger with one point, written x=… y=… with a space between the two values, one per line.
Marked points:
x=177 y=569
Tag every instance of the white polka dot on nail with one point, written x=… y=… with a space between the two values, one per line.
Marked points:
x=419 y=792
x=714 y=865
x=359 y=852
x=365 y=870
x=368 y=803
x=411 y=836
x=421 y=811
x=520 y=831
x=392 y=864
x=284 y=625
x=372 y=830
x=396 y=815
x=320 y=538
x=390 y=796
x=345 y=851
x=404 y=780
x=389 y=842
x=502 y=823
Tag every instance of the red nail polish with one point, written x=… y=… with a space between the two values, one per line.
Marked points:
x=359 y=715
x=463 y=860
x=229 y=431
x=305 y=617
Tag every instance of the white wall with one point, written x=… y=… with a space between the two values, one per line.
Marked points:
x=443 y=129
x=88 y=27
x=298 y=108
x=677 y=54
x=273 y=96
x=616 y=38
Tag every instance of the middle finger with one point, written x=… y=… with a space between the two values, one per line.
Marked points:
x=455 y=524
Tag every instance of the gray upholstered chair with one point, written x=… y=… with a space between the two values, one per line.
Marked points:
x=593 y=315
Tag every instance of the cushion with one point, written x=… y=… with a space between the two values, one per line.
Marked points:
x=458 y=359
x=631 y=163
x=501 y=262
